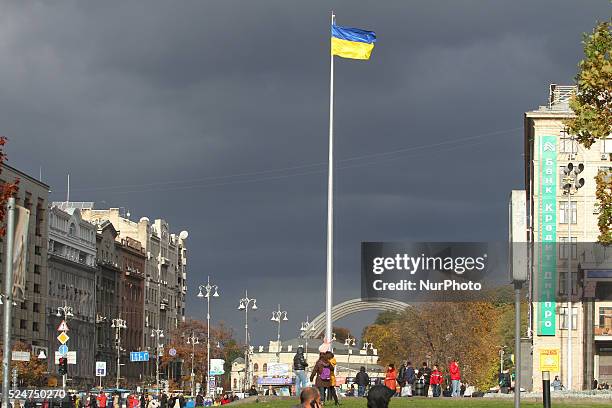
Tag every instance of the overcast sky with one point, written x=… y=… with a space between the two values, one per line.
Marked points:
x=214 y=115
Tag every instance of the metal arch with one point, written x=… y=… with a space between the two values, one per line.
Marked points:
x=341 y=310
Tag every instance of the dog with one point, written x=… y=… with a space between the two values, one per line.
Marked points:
x=379 y=396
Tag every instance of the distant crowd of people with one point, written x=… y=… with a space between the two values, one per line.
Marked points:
x=408 y=379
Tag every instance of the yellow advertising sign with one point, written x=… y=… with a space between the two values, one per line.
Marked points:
x=549 y=360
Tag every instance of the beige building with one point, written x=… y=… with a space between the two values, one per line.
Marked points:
x=165 y=268
x=562 y=234
x=349 y=360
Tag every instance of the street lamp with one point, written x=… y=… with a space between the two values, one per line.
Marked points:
x=158 y=334
x=245 y=302
x=118 y=324
x=348 y=342
x=307 y=329
x=67 y=312
x=193 y=340
x=278 y=316
x=366 y=347
x=205 y=291
x=571 y=185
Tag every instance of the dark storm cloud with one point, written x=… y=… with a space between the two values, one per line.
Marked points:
x=154 y=105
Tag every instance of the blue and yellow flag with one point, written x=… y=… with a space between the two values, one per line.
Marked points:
x=352 y=43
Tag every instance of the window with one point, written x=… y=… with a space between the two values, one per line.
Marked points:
x=563 y=215
x=564 y=250
x=265 y=367
x=24 y=305
x=37 y=269
x=563 y=318
x=563 y=283
x=36 y=288
x=35 y=326
x=22 y=324
x=607 y=145
x=40 y=216
x=255 y=367
x=36 y=307
x=37 y=250
x=605 y=317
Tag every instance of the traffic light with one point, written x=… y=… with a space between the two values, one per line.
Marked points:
x=62 y=367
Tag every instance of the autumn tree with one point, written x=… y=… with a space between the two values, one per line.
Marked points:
x=440 y=332
x=592 y=106
x=7 y=190
x=29 y=373
x=222 y=345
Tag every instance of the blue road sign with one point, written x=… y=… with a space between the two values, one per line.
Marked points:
x=139 y=356
x=63 y=349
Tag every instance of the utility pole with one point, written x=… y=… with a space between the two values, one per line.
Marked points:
x=8 y=297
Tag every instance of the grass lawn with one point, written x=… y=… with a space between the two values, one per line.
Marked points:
x=432 y=402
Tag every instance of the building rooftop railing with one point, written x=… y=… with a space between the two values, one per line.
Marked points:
x=560 y=96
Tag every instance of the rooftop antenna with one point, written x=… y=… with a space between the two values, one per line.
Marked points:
x=68 y=191
x=40 y=173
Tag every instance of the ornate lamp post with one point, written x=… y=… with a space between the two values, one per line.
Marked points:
x=278 y=316
x=118 y=324
x=158 y=334
x=366 y=347
x=193 y=340
x=206 y=291
x=245 y=302
x=349 y=342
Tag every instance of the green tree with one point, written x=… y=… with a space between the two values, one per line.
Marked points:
x=592 y=106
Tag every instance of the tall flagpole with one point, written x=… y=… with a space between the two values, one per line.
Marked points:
x=330 y=203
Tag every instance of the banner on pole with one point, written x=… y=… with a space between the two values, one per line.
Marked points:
x=20 y=252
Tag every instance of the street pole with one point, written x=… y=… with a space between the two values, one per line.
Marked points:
x=157 y=334
x=208 y=289
x=118 y=324
x=517 y=343
x=193 y=340
x=8 y=300
x=571 y=184
x=244 y=305
x=278 y=316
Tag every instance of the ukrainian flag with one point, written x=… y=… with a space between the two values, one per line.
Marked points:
x=352 y=43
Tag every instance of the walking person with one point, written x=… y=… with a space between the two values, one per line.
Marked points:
x=322 y=372
x=425 y=373
x=436 y=381
x=455 y=376
x=410 y=377
x=332 y=389
x=401 y=377
x=362 y=379
x=391 y=377
x=299 y=367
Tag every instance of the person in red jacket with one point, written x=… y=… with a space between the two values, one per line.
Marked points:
x=391 y=378
x=436 y=380
x=455 y=376
x=102 y=399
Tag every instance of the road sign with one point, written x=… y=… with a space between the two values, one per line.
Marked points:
x=63 y=350
x=100 y=368
x=71 y=357
x=63 y=337
x=63 y=327
x=172 y=352
x=212 y=383
x=139 y=356
x=549 y=360
x=20 y=356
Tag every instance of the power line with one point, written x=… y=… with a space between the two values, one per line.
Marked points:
x=454 y=144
